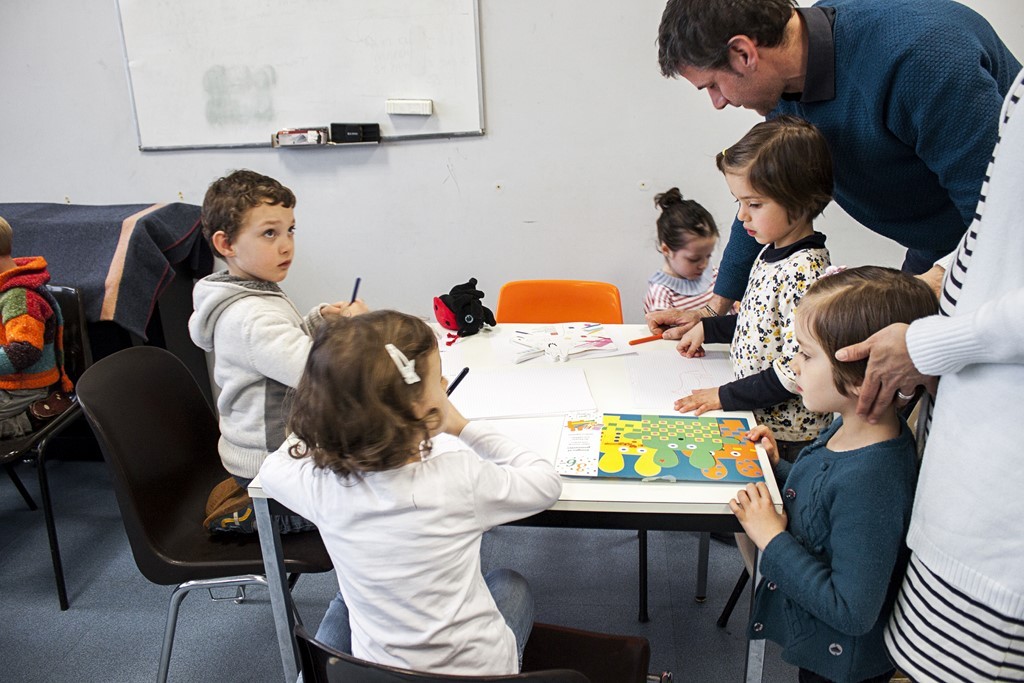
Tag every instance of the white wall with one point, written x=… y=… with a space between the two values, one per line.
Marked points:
x=582 y=131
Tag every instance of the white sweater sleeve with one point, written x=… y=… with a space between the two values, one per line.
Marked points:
x=512 y=481
x=994 y=333
x=277 y=346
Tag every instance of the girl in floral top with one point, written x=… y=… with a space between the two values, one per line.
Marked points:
x=781 y=176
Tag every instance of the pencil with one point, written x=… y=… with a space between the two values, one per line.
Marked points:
x=455 y=382
x=355 y=290
x=641 y=340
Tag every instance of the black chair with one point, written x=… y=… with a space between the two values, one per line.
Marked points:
x=159 y=436
x=32 y=446
x=554 y=654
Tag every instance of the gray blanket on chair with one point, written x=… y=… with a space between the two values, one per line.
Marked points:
x=121 y=257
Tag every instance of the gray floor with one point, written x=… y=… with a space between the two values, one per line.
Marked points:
x=113 y=631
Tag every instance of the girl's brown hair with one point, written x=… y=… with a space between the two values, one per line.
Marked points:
x=352 y=410
x=681 y=220
x=850 y=306
x=787 y=160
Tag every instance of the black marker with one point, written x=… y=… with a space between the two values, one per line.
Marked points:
x=461 y=376
x=355 y=290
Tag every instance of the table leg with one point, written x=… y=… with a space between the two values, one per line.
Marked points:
x=277 y=582
x=703 y=551
x=642 y=542
x=755 y=648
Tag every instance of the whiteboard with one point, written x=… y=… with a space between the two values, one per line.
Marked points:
x=230 y=73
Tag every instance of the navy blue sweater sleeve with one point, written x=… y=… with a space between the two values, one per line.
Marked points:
x=737 y=260
x=762 y=390
x=719 y=329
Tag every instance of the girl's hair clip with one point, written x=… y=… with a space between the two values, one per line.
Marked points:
x=406 y=367
x=833 y=270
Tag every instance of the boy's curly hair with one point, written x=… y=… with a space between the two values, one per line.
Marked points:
x=352 y=410
x=229 y=198
x=850 y=306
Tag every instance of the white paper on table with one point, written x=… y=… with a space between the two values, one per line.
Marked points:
x=523 y=392
x=658 y=380
x=451 y=361
x=507 y=349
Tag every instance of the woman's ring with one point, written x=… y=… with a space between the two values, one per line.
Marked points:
x=903 y=397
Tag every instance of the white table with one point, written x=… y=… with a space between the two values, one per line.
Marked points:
x=584 y=503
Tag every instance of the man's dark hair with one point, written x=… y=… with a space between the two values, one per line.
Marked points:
x=696 y=32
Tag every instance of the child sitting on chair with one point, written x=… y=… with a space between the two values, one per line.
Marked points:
x=832 y=561
x=31 y=338
x=687 y=236
x=359 y=464
x=259 y=339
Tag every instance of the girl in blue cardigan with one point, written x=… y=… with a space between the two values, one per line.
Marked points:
x=831 y=562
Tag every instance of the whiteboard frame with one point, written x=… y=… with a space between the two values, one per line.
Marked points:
x=260 y=145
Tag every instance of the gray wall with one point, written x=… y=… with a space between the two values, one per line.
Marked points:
x=582 y=131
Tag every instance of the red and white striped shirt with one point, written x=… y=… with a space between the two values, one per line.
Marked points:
x=667 y=291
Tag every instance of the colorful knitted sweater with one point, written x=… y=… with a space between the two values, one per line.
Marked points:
x=31 y=334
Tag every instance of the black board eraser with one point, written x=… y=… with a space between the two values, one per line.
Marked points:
x=342 y=133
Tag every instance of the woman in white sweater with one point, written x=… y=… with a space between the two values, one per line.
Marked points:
x=402 y=526
x=960 y=612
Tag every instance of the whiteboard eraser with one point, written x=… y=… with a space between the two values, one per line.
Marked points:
x=411 y=107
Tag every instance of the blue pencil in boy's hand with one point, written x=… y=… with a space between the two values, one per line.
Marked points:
x=455 y=382
x=355 y=290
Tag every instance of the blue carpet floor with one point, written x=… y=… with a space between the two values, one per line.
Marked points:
x=113 y=631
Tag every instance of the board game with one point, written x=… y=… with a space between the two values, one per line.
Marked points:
x=657 y=447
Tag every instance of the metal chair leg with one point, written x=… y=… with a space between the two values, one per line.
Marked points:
x=179 y=594
x=16 y=480
x=730 y=604
x=51 y=528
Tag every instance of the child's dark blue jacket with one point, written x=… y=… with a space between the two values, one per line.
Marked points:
x=830 y=579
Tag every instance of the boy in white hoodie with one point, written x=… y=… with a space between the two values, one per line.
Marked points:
x=259 y=339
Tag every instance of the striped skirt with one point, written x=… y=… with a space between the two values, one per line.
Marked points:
x=938 y=633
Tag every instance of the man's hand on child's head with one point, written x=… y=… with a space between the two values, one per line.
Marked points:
x=762 y=434
x=671 y=323
x=754 y=509
x=700 y=401
x=890 y=369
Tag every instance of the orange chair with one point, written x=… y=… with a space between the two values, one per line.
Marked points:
x=559 y=301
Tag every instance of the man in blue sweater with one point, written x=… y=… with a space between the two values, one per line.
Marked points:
x=907 y=93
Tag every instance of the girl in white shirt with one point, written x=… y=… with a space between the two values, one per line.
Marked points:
x=403 y=526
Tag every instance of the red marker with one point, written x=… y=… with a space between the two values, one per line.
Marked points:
x=641 y=340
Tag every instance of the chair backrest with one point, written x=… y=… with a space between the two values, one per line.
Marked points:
x=601 y=657
x=322 y=664
x=159 y=437
x=77 y=351
x=559 y=301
